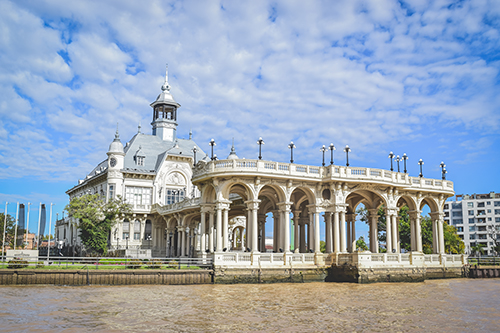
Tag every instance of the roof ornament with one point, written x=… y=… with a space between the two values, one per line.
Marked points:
x=190 y=134
x=139 y=128
x=232 y=154
x=117 y=135
x=166 y=86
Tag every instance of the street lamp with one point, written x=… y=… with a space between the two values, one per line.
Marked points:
x=323 y=149
x=404 y=159
x=126 y=245
x=346 y=151
x=420 y=162
x=332 y=148
x=194 y=155
x=443 y=170
x=148 y=238
x=260 y=143
x=391 y=156
x=397 y=160
x=212 y=144
x=291 y=146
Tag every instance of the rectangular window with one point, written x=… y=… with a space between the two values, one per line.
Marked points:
x=111 y=192
x=481 y=220
x=137 y=235
x=497 y=203
x=471 y=212
x=460 y=229
x=457 y=214
x=470 y=204
x=458 y=221
x=174 y=195
x=489 y=219
x=497 y=219
x=472 y=236
x=481 y=236
x=125 y=235
x=497 y=211
x=481 y=212
x=488 y=203
x=481 y=228
x=138 y=197
x=126 y=226
x=456 y=205
x=480 y=204
x=471 y=221
x=446 y=206
x=489 y=210
x=472 y=228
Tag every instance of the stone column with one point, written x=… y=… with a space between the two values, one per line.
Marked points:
x=349 y=234
x=317 y=248
x=296 y=240
x=218 y=228
x=253 y=206
x=336 y=232
x=310 y=232
x=388 y=230
x=285 y=225
x=418 y=228
x=263 y=234
x=328 y=231
x=275 y=231
x=434 y=234
x=395 y=234
x=182 y=244
x=416 y=236
x=202 y=231
x=248 y=227
x=373 y=230
x=441 y=233
x=342 y=232
x=211 y=231
x=225 y=228
x=353 y=230
x=302 y=243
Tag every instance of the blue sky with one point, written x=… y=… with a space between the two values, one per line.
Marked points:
x=419 y=77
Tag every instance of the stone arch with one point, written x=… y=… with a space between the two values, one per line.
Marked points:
x=408 y=200
x=240 y=188
x=371 y=199
x=429 y=201
x=208 y=194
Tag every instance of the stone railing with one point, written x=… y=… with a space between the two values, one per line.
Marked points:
x=366 y=259
x=187 y=203
x=241 y=259
x=331 y=172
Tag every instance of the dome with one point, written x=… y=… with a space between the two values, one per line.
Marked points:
x=116 y=146
x=232 y=154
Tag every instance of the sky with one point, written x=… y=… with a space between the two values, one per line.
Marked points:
x=416 y=77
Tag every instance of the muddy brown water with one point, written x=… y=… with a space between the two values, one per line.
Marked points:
x=456 y=305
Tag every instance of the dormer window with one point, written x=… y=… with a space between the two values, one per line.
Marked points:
x=139 y=157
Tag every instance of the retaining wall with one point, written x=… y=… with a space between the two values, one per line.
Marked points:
x=84 y=277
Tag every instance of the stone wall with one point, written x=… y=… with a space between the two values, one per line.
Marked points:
x=83 y=277
x=348 y=273
x=268 y=275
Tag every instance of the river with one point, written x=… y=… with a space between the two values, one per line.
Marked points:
x=455 y=305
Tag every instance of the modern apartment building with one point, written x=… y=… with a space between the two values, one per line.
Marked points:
x=477 y=219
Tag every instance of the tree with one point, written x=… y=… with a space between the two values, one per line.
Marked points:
x=477 y=249
x=494 y=234
x=9 y=231
x=452 y=242
x=360 y=244
x=322 y=246
x=96 y=218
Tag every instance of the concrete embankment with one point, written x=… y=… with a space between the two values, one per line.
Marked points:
x=102 y=277
x=478 y=272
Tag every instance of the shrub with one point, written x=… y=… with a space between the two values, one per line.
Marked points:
x=134 y=263
x=40 y=264
x=154 y=263
x=17 y=263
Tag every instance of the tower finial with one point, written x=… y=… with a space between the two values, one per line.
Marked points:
x=166 y=86
x=139 y=128
x=117 y=135
x=190 y=134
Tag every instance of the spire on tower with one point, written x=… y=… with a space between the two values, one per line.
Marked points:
x=166 y=86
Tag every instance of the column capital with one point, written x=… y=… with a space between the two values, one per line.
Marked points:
x=373 y=212
x=391 y=211
x=252 y=204
x=315 y=209
x=285 y=206
x=339 y=208
x=437 y=216
x=207 y=208
x=181 y=229
x=414 y=214
x=222 y=204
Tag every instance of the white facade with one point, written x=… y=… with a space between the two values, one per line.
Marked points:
x=474 y=216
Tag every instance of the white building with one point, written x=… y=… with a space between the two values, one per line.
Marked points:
x=149 y=169
x=475 y=216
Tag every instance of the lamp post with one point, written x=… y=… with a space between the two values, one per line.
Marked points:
x=212 y=144
x=126 y=241
x=347 y=150
x=443 y=170
x=404 y=159
x=323 y=149
x=148 y=238
x=332 y=148
x=260 y=142
x=420 y=162
x=291 y=146
x=397 y=160
x=391 y=156
x=194 y=155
